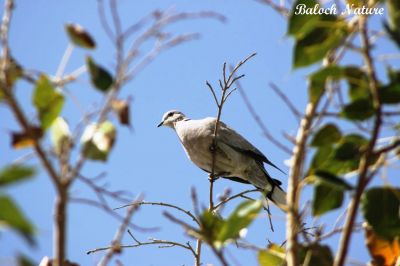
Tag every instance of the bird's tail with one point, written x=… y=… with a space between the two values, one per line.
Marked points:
x=278 y=197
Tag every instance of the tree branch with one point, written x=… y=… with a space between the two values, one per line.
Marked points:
x=116 y=243
x=259 y=122
x=367 y=157
x=194 y=218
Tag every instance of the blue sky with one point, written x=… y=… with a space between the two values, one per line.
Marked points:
x=149 y=160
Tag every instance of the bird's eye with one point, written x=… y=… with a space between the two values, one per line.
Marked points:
x=170 y=114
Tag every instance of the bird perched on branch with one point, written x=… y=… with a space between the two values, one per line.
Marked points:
x=235 y=157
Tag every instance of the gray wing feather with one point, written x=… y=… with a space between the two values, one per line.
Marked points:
x=234 y=140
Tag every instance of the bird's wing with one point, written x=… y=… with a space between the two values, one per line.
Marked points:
x=234 y=140
x=236 y=179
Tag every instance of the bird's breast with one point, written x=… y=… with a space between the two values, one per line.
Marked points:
x=197 y=142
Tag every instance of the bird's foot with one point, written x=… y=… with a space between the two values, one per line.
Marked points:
x=212 y=178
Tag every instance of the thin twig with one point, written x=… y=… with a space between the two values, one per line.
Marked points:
x=194 y=218
x=111 y=212
x=259 y=122
x=228 y=82
x=159 y=242
x=296 y=113
x=64 y=61
x=116 y=243
x=278 y=8
x=223 y=202
x=388 y=148
x=103 y=20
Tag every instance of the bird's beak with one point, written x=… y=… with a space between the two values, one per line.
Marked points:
x=159 y=125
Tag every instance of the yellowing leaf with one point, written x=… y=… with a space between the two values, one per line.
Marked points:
x=98 y=140
x=22 y=140
x=60 y=135
x=384 y=252
x=14 y=71
x=121 y=108
x=273 y=256
x=48 y=101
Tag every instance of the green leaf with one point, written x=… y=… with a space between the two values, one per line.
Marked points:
x=321 y=158
x=301 y=24
x=60 y=135
x=393 y=8
x=394 y=35
x=316 y=255
x=100 y=77
x=341 y=158
x=211 y=224
x=330 y=179
x=327 y=135
x=326 y=198
x=324 y=159
x=317 y=44
x=350 y=148
x=273 y=256
x=241 y=218
x=15 y=173
x=393 y=75
x=390 y=94
x=358 y=83
x=23 y=260
x=358 y=110
x=392 y=27
x=79 y=36
x=12 y=217
x=98 y=140
x=319 y=78
x=380 y=207
x=48 y=101
x=315 y=34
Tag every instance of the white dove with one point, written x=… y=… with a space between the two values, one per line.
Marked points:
x=235 y=158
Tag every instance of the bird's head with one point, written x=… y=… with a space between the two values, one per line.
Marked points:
x=170 y=118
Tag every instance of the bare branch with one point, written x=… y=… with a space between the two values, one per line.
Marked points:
x=280 y=9
x=116 y=243
x=228 y=82
x=164 y=205
x=213 y=92
x=103 y=20
x=158 y=242
x=388 y=148
x=259 y=122
x=178 y=221
x=286 y=100
x=111 y=212
x=223 y=202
